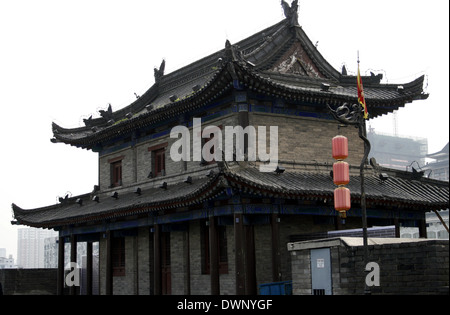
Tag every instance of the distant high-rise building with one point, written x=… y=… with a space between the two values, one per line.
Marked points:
x=30 y=247
x=398 y=152
x=2 y=252
x=51 y=252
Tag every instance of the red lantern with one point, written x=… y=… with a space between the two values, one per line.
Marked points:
x=340 y=148
x=342 y=200
x=341 y=176
x=341 y=173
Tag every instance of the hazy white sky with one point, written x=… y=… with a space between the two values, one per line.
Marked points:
x=63 y=60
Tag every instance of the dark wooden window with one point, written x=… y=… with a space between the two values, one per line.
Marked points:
x=116 y=174
x=160 y=162
x=222 y=249
x=118 y=257
x=158 y=153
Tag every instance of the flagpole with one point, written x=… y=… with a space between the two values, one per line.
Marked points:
x=367 y=147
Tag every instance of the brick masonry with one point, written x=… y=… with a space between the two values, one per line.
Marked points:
x=306 y=139
x=301 y=139
x=141 y=283
x=405 y=268
x=28 y=281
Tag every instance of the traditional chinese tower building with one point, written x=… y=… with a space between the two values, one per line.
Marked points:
x=197 y=227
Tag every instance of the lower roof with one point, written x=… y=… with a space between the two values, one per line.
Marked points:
x=397 y=190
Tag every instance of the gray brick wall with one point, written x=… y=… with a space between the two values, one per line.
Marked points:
x=178 y=262
x=307 y=139
x=300 y=139
x=145 y=261
x=405 y=268
x=263 y=253
x=137 y=161
x=28 y=281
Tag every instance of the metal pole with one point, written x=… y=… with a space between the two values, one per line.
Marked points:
x=367 y=147
x=353 y=115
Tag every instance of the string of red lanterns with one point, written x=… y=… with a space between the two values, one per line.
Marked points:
x=341 y=176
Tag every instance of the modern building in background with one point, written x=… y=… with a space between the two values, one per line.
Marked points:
x=398 y=152
x=51 y=252
x=30 y=247
x=6 y=262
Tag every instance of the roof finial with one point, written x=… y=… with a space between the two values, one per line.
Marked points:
x=231 y=53
x=291 y=12
x=159 y=73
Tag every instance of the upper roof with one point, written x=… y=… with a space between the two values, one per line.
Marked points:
x=398 y=190
x=280 y=61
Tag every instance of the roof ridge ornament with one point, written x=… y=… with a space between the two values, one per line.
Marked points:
x=108 y=113
x=231 y=52
x=231 y=55
x=159 y=73
x=291 y=12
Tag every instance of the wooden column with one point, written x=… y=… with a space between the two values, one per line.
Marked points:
x=250 y=261
x=73 y=259
x=89 y=268
x=109 y=273
x=397 y=227
x=239 y=253
x=151 y=261
x=338 y=223
x=423 y=228
x=60 y=276
x=136 y=264
x=187 y=260
x=214 y=257
x=157 y=285
x=276 y=256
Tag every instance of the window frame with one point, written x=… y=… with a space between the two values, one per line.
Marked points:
x=159 y=162
x=158 y=167
x=116 y=171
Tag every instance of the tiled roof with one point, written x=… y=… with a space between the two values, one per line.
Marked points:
x=280 y=61
x=399 y=191
x=128 y=203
